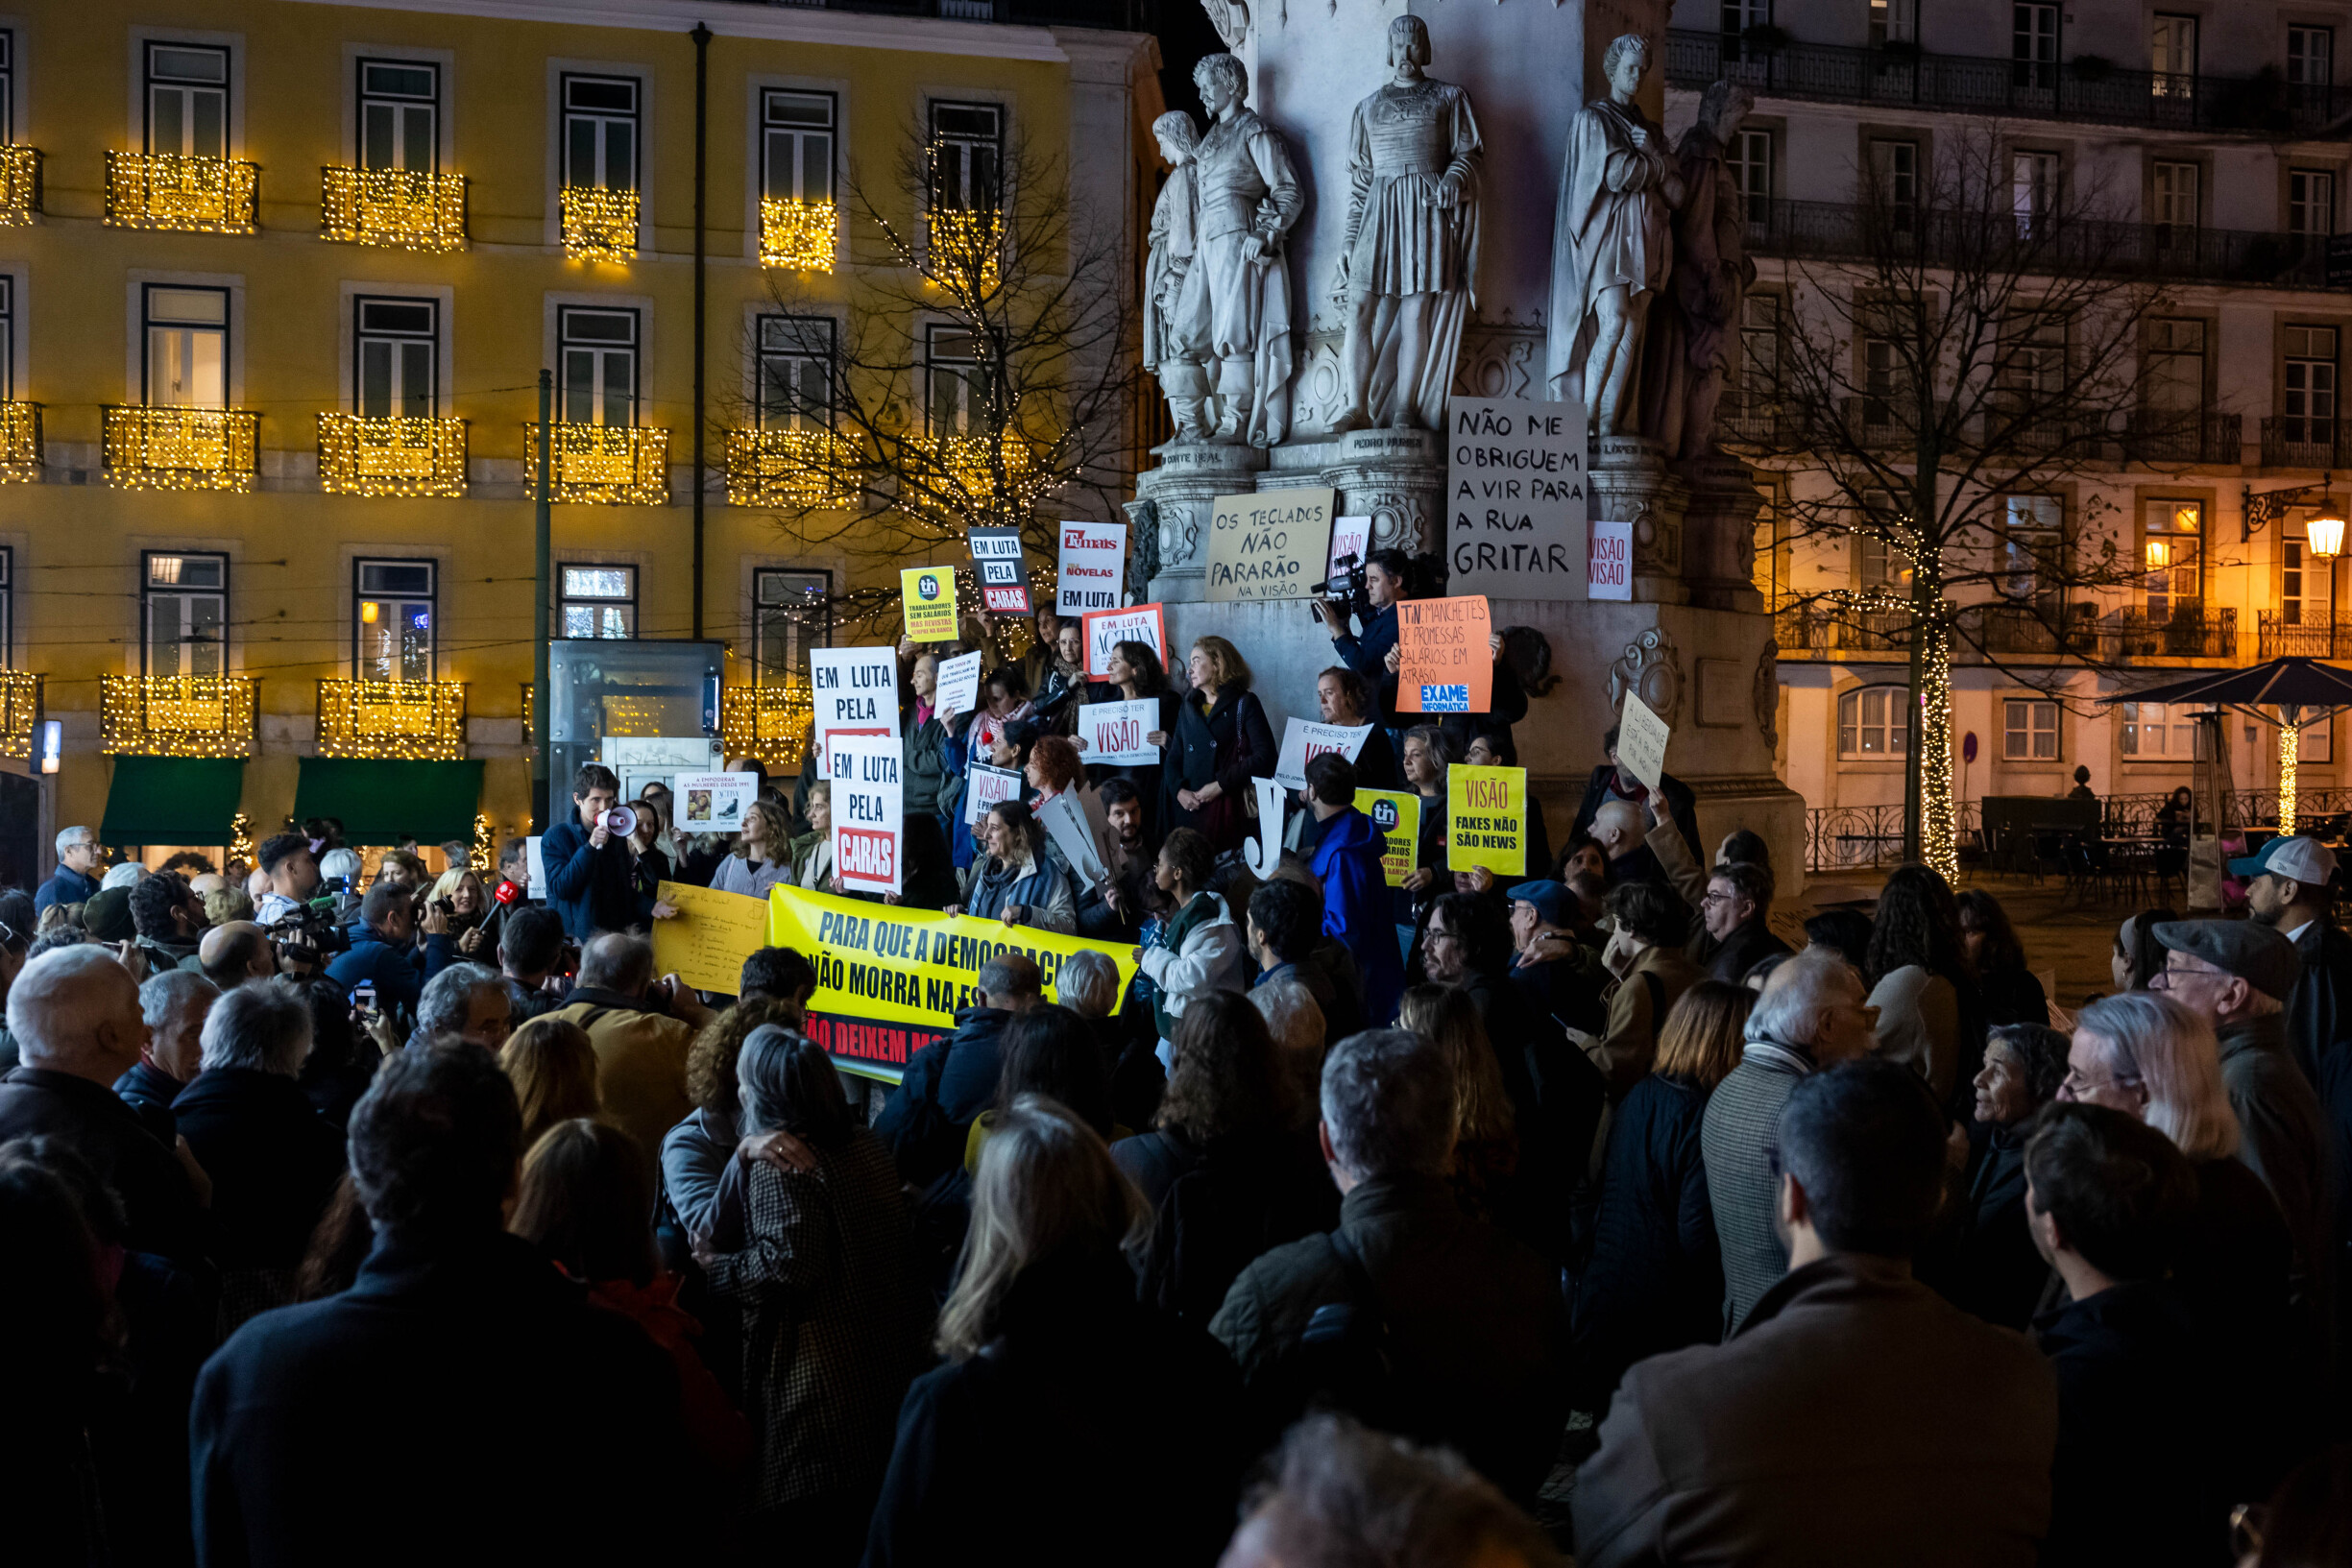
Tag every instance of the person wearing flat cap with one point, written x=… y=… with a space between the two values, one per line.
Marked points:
x=1556 y=974
x=2239 y=973
x=2288 y=890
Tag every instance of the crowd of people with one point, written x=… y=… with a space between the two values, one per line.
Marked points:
x=360 y=1223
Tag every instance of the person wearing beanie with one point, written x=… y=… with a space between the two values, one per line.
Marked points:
x=106 y=916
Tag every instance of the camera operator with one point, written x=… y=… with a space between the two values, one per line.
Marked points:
x=384 y=949
x=590 y=881
x=1384 y=584
x=293 y=872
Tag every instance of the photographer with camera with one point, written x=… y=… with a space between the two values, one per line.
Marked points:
x=1374 y=601
x=293 y=872
x=591 y=879
x=383 y=951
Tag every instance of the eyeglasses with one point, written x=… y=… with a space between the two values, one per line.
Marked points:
x=2073 y=1086
x=1714 y=897
x=2165 y=980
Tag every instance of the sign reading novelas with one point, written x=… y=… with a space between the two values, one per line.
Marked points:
x=1444 y=663
x=1269 y=544
x=1517 y=527
x=1004 y=581
x=1093 y=566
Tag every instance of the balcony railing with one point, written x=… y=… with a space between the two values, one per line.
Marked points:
x=802 y=236
x=177 y=715
x=391 y=455
x=2030 y=631
x=785 y=467
x=613 y=464
x=176 y=190
x=768 y=722
x=406 y=209
x=2296 y=442
x=2275 y=636
x=2191 y=631
x=20 y=441
x=2188 y=437
x=2086 y=89
x=416 y=721
x=20 y=184
x=20 y=711
x=2015 y=631
x=1816 y=629
x=600 y=225
x=154 y=448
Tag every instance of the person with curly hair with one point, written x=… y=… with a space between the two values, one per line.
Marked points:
x=1931 y=1015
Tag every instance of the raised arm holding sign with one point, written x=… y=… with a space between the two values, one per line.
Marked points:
x=1641 y=741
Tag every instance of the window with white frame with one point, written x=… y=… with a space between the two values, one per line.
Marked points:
x=395 y=605
x=959 y=402
x=2033 y=190
x=1749 y=158
x=400 y=116
x=2029 y=731
x=600 y=131
x=187 y=99
x=2311 y=57
x=2171 y=54
x=1893 y=21
x=1894 y=166
x=598 y=349
x=2307 y=582
x=8 y=337
x=795 y=370
x=1760 y=350
x=2153 y=731
x=2310 y=201
x=2032 y=367
x=2032 y=545
x=796 y=141
x=184 y=613
x=2033 y=44
x=2315 y=742
x=395 y=366
x=2308 y=383
x=789 y=617
x=2173 y=189
x=1880 y=562
x=186 y=335
x=2173 y=550
x=7 y=606
x=1874 y=724
x=8 y=86
x=968 y=156
x=598 y=600
x=1883 y=380
x=2176 y=382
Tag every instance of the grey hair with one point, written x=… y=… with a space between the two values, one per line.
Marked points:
x=1292 y=1016
x=1007 y=974
x=165 y=993
x=1342 y=1493
x=1178 y=127
x=1388 y=1099
x=1793 y=998
x=343 y=863
x=1228 y=66
x=2171 y=1054
x=1619 y=46
x=264 y=1026
x=126 y=874
x=49 y=1007
x=1089 y=983
x=448 y=996
x=71 y=837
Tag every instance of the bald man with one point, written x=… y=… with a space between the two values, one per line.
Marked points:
x=75 y=1013
x=209 y=882
x=234 y=953
x=1620 y=826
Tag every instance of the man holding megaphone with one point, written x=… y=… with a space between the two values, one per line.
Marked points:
x=587 y=859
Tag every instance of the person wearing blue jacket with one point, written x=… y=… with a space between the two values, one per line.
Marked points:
x=383 y=949
x=1356 y=889
x=78 y=855
x=1384 y=584
x=589 y=882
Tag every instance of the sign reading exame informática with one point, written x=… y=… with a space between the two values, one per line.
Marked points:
x=1269 y=544
x=1515 y=469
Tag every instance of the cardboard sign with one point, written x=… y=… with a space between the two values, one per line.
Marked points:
x=1066 y=825
x=1004 y=581
x=1641 y=741
x=868 y=812
x=853 y=689
x=1303 y=740
x=1107 y=629
x=1608 y=572
x=1114 y=731
x=1093 y=567
x=713 y=803
x=706 y=942
x=985 y=787
x=1398 y=814
x=958 y=688
x=1517 y=510
x=928 y=594
x=1486 y=819
x=1352 y=540
x=1444 y=664
x=1269 y=544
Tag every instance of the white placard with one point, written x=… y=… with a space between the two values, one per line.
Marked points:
x=868 y=821
x=713 y=803
x=1067 y=825
x=1641 y=741
x=1516 y=527
x=1350 y=537
x=1303 y=740
x=853 y=689
x=985 y=787
x=1609 y=569
x=1093 y=566
x=537 y=887
x=958 y=688
x=1114 y=731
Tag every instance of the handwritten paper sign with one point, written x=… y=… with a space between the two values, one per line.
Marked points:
x=1444 y=666
x=1093 y=566
x=1114 y=731
x=985 y=787
x=1486 y=818
x=1107 y=629
x=1398 y=814
x=706 y=942
x=928 y=594
x=1641 y=741
x=1518 y=506
x=715 y=803
x=1303 y=740
x=958 y=688
x=1352 y=539
x=1004 y=581
x=1608 y=572
x=868 y=812
x=1268 y=544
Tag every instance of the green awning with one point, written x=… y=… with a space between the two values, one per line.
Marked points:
x=172 y=799
x=378 y=803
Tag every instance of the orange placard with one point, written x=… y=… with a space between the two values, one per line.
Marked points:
x=1446 y=666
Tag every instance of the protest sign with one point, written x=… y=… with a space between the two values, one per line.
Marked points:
x=1518 y=505
x=1486 y=819
x=1107 y=629
x=1398 y=814
x=868 y=822
x=1262 y=851
x=958 y=688
x=1004 y=581
x=1268 y=544
x=928 y=594
x=706 y=942
x=538 y=869
x=1609 y=571
x=1352 y=540
x=1065 y=822
x=713 y=803
x=1303 y=740
x=985 y=787
x=1641 y=741
x=852 y=689
x=1444 y=666
x=1114 y=731
x=890 y=980
x=1093 y=566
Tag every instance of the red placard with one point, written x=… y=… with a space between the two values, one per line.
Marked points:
x=1105 y=629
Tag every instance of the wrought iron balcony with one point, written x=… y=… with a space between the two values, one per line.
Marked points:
x=2025 y=630
x=802 y=236
x=785 y=467
x=2189 y=632
x=394 y=455
x=413 y=721
x=2292 y=441
x=2275 y=636
x=162 y=447
x=20 y=711
x=403 y=210
x=20 y=184
x=600 y=225
x=966 y=243
x=1826 y=628
x=176 y=190
x=177 y=715
x=613 y=464
x=768 y=722
x=20 y=441
x=2086 y=89
x=2156 y=436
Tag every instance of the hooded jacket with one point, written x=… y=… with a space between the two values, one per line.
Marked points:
x=1198 y=950
x=1356 y=908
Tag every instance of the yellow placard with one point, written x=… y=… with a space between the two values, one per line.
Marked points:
x=930 y=595
x=890 y=980
x=706 y=942
x=1486 y=819
x=1398 y=814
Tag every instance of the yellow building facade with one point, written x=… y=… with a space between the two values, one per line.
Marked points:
x=280 y=281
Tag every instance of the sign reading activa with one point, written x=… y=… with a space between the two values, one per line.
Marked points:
x=1269 y=544
x=1516 y=473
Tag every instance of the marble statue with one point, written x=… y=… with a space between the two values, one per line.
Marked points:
x=1408 y=268
x=1175 y=221
x=1697 y=330
x=1233 y=312
x=1612 y=246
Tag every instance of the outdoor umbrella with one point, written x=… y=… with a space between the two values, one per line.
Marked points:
x=2303 y=690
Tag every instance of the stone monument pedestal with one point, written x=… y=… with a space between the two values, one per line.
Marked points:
x=1719 y=533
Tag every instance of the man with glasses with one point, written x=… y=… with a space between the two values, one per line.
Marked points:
x=76 y=879
x=1734 y=911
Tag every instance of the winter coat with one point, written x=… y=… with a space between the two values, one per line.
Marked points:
x=66 y=886
x=1637 y=1010
x=158 y=1201
x=1742 y=1117
x=1987 y=1265
x=1748 y=946
x=2013 y=996
x=2286 y=1141
x=1197 y=949
x=933 y=764
x=1228 y=745
x=1040 y=887
x=1356 y=908
x=1654 y=1281
x=641 y=1062
x=150 y=1091
x=273 y=1159
x=2320 y=1008
x=398 y=972
x=1238 y=1197
x=943 y=1088
x=1367 y=655
x=737 y=875
x=593 y=890
x=1919 y=1024
x=1557 y=1096
x=694 y=1156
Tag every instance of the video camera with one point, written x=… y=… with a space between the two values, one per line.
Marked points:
x=310 y=929
x=1342 y=593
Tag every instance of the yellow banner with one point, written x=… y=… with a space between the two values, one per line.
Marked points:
x=1486 y=818
x=1398 y=814
x=930 y=596
x=890 y=980
x=706 y=942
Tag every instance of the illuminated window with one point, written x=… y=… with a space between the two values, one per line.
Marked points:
x=187 y=100
x=187 y=346
x=789 y=617
x=184 y=613
x=2031 y=731
x=1874 y=724
x=795 y=373
x=1878 y=562
x=796 y=140
x=400 y=116
x=395 y=609
x=2154 y=730
x=967 y=154
x=598 y=601
x=2032 y=535
x=601 y=131
x=2307 y=582
x=8 y=86
x=598 y=350
x=396 y=366
x=2174 y=553
x=2171 y=56
x=2033 y=191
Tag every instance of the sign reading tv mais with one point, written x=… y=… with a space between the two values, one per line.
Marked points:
x=1004 y=581
x=1269 y=544
x=1093 y=558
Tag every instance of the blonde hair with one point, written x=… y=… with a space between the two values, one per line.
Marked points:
x=775 y=828
x=553 y=1069
x=1448 y=1017
x=1226 y=661
x=445 y=885
x=2171 y=1053
x=1705 y=1032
